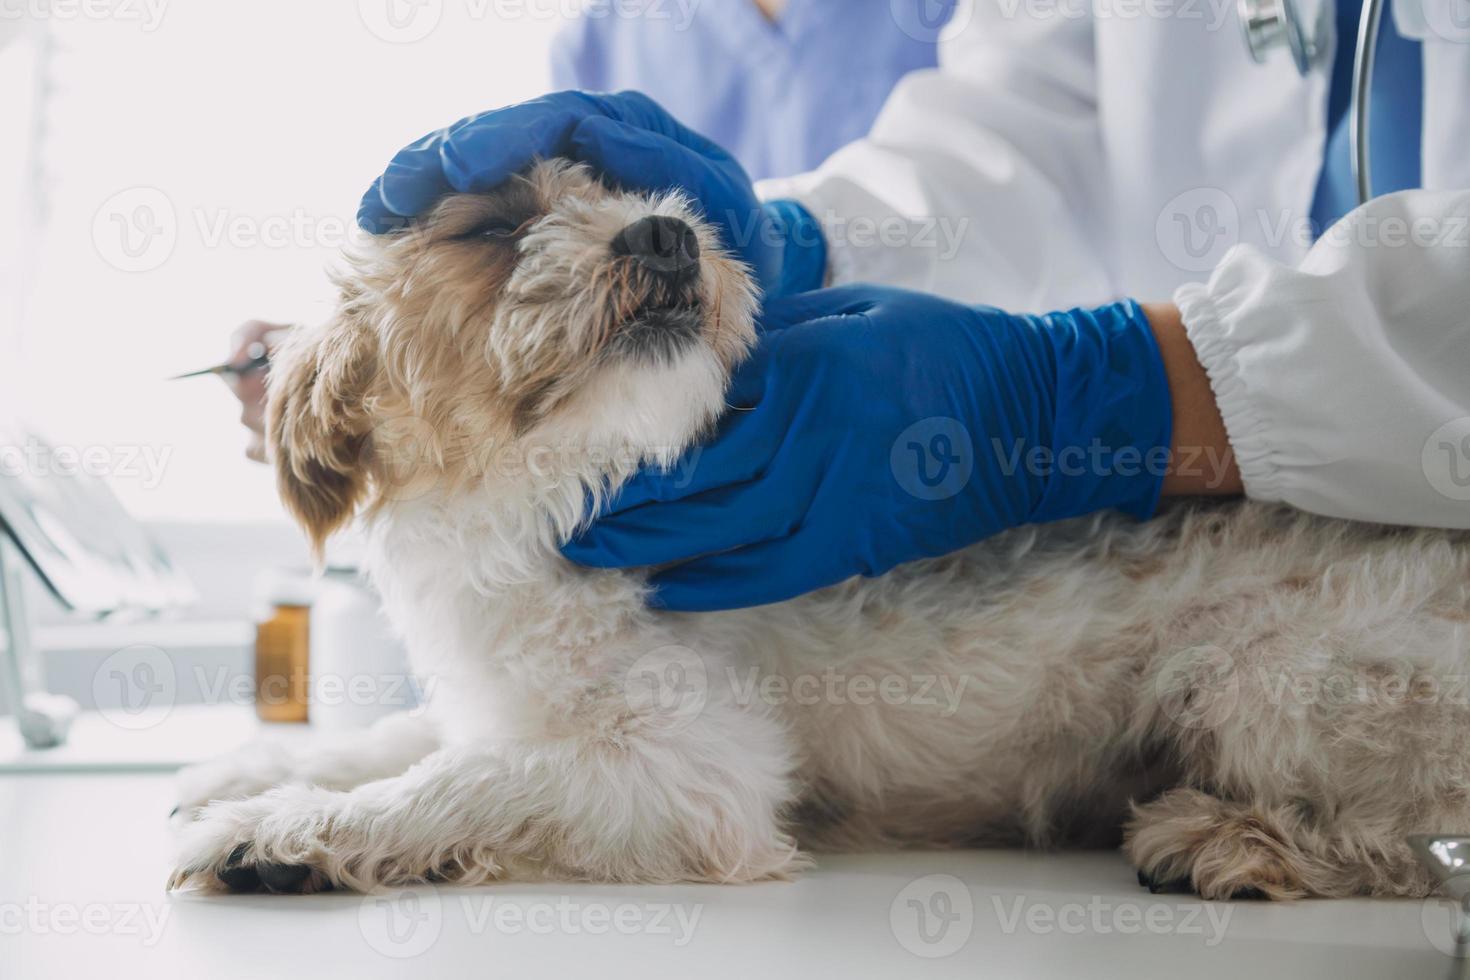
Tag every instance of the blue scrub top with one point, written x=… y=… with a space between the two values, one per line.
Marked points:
x=781 y=97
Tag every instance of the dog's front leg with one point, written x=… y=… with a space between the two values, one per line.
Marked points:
x=649 y=800
x=339 y=761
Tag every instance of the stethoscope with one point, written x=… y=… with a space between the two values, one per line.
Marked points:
x=1271 y=23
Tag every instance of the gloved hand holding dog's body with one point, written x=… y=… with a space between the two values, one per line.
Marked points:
x=874 y=426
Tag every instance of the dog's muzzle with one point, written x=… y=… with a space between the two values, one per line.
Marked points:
x=669 y=316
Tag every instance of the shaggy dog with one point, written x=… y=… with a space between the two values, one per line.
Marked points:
x=1252 y=700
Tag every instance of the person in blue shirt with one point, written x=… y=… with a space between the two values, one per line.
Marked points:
x=781 y=83
x=759 y=77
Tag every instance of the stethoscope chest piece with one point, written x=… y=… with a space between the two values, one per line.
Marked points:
x=1270 y=24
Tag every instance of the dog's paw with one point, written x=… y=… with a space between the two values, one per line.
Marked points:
x=241 y=874
x=263 y=844
x=1188 y=841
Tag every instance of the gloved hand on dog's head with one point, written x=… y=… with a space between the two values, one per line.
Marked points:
x=634 y=143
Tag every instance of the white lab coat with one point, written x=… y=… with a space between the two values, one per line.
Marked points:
x=1071 y=152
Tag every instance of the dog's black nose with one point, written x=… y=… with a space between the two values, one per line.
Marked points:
x=665 y=246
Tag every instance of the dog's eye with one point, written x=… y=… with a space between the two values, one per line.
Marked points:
x=496 y=229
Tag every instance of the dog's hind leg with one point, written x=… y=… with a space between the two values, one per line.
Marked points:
x=702 y=803
x=1187 y=840
x=1320 y=765
x=339 y=762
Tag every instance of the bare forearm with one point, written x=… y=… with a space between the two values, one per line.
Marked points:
x=1201 y=460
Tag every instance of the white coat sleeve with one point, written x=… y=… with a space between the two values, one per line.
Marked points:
x=979 y=179
x=1345 y=383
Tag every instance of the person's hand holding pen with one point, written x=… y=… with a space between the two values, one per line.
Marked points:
x=249 y=344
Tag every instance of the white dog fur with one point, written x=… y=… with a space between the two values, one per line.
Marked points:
x=1264 y=702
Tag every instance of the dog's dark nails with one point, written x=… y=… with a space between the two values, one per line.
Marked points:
x=283 y=879
x=238 y=877
x=1174 y=886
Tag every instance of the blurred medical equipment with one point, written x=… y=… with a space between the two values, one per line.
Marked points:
x=1269 y=24
x=69 y=530
x=283 y=640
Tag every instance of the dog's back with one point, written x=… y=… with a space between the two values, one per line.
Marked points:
x=1029 y=687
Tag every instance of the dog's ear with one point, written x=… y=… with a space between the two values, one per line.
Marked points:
x=318 y=424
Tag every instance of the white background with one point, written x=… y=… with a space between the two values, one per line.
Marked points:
x=267 y=117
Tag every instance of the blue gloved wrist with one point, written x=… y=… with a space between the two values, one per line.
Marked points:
x=1113 y=421
x=804 y=253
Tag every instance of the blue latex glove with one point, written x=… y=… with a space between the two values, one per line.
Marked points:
x=631 y=140
x=873 y=427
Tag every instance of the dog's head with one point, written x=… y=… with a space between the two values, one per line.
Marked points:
x=551 y=312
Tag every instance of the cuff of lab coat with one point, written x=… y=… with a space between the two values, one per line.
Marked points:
x=1212 y=320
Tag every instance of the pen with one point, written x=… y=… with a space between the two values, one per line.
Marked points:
x=257 y=357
